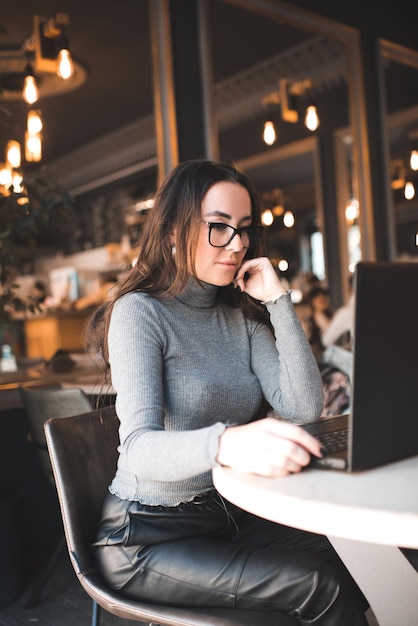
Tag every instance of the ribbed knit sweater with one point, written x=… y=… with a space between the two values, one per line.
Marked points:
x=184 y=369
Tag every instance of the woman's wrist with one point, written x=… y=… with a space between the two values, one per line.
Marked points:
x=274 y=298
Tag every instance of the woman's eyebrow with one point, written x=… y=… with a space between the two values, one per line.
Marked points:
x=226 y=216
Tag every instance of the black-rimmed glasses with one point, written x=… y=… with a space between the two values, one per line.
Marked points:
x=220 y=234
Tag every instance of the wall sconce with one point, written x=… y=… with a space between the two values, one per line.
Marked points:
x=397 y=174
x=50 y=46
x=288 y=110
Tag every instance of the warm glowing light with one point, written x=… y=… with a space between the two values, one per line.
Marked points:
x=296 y=296
x=65 y=66
x=30 y=89
x=5 y=175
x=409 y=191
x=414 y=160
x=34 y=124
x=13 y=155
x=283 y=265
x=288 y=219
x=416 y=239
x=352 y=210
x=17 y=180
x=311 y=118
x=33 y=147
x=267 y=218
x=269 y=133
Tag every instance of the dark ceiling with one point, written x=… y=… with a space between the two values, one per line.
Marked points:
x=111 y=42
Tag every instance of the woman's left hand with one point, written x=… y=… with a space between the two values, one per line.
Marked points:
x=258 y=278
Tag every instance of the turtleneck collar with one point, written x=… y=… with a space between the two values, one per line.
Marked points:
x=200 y=295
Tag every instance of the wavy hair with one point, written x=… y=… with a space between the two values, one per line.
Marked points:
x=157 y=271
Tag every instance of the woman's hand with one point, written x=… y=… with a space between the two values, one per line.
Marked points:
x=258 y=278
x=268 y=447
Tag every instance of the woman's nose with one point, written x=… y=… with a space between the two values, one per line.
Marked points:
x=235 y=243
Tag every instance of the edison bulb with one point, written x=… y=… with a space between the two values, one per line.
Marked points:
x=269 y=134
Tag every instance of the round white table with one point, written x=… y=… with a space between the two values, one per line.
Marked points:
x=365 y=515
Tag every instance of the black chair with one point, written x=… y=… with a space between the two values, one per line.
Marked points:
x=41 y=404
x=83 y=450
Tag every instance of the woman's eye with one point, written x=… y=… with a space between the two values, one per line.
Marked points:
x=219 y=226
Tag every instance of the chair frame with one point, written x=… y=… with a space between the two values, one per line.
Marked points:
x=85 y=447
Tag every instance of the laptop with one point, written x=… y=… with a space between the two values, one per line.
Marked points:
x=383 y=419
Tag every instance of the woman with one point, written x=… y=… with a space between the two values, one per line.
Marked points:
x=189 y=339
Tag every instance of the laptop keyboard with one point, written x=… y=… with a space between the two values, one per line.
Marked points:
x=334 y=441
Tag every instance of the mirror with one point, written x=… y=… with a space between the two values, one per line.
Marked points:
x=313 y=57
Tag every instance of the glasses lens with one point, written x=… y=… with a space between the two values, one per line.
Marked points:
x=221 y=234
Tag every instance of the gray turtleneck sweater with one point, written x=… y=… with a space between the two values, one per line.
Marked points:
x=187 y=367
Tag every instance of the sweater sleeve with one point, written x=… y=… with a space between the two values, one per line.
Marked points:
x=286 y=368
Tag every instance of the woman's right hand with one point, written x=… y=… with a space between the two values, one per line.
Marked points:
x=268 y=447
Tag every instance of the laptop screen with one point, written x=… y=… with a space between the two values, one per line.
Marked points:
x=384 y=408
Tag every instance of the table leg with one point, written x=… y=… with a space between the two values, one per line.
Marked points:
x=386 y=578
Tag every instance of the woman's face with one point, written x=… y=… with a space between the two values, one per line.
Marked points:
x=225 y=203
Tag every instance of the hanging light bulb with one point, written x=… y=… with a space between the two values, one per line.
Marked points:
x=33 y=147
x=409 y=191
x=288 y=219
x=34 y=122
x=30 y=91
x=17 y=180
x=311 y=118
x=414 y=160
x=269 y=133
x=5 y=175
x=352 y=210
x=13 y=153
x=267 y=217
x=65 y=65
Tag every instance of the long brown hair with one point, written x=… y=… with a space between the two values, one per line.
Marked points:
x=177 y=208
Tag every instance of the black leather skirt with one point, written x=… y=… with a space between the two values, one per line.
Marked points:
x=210 y=553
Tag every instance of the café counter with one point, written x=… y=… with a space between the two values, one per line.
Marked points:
x=58 y=330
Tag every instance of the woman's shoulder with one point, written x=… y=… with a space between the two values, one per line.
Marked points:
x=135 y=303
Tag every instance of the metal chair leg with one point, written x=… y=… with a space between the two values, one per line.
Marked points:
x=95 y=614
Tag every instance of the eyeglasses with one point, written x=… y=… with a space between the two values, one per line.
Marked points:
x=220 y=234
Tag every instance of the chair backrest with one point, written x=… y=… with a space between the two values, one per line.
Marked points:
x=41 y=404
x=83 y=451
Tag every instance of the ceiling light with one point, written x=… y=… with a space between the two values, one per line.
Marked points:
x=33 y=147
x=65 y=66
x=311 y=118
x=409 y=191
x=5 y=175
x=34 y=123
x=267 y=218
x=269 y=133
x=288 y=219
x=30 y=91
x=13 y=154
x=414 y=160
